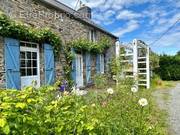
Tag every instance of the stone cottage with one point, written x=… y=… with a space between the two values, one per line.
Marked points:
x=22 y=62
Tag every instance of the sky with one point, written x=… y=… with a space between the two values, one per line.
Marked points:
x=147 y=20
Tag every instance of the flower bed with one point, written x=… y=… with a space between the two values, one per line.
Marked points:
x=49 y=111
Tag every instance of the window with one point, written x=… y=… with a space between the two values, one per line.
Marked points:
x=102 y=63
x=92 y=35
x=30 y=45
x=28 y=60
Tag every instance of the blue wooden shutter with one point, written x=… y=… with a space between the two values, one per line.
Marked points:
x=88 y=67
x=12 y=63
x=49 y=64
x=73 y=66
x=98 y=63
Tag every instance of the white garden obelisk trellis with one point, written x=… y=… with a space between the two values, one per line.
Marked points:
x=117 y=49
x=141 y=66
x=135 y=61
x=148 y=67
x=136 y=54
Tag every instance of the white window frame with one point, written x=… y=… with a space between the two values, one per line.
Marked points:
x=102 y=63
x=92 y=35
x=22 y=48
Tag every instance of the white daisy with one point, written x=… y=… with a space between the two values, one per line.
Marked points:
x=143 y=102
x=110 y=91
x=134 y=89
x=114 y=77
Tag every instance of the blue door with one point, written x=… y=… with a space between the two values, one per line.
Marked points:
x=73 y=74
x=49 y=64
x=88 y=67
x=12 y=63
x=98 y=63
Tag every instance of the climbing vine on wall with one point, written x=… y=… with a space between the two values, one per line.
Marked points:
x=82 y=45
x=89 y=46
x=18 y=30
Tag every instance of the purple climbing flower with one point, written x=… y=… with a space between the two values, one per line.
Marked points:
x=62 y=88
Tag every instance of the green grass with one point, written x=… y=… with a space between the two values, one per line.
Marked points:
x=122 y=113
x=157 y=83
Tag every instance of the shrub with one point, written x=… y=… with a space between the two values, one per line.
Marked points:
x=41 y=111
x=48 y=111
x=169 y=67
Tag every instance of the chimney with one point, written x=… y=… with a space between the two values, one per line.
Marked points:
x=85 y=11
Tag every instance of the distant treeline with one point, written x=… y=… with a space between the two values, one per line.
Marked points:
x=169 y=67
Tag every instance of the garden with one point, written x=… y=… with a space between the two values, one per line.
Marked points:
x=106 y=109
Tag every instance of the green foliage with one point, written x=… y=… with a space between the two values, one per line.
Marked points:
x=100 y=81
x=41 y=111
x=154 y=60
x=178 y=53
x=89 y=46
x=169 y=67
x=18 y=30
x=47 y=111
x=120 y=113
x=115 y=66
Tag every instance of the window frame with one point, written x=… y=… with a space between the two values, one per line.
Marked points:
x=31 y=49
x=92 y=35
x=102 y=63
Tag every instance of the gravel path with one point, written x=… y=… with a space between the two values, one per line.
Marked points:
x=172 y=105
x=174 y=110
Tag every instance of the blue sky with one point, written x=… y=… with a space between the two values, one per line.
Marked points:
x=141 y=19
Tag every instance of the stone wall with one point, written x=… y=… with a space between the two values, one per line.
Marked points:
x=42 y=69
x=2 y=71
x=37 y=14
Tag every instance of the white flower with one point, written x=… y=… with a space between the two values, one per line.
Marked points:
x=110 y=91
x=59 y=96
x=66 y=93
x=143 y=102
x=73 y=88
x=134 y=89
x=25 y=24
x=114 y=77
x=1 y=27
x=150 y=127
x=79 y=92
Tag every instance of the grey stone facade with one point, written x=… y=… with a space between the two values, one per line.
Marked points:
x=40 y=15
x=2 y=71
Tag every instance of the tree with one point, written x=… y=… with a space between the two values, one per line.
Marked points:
x=169 y=67
x=178 y=53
